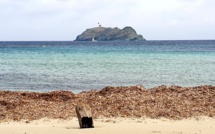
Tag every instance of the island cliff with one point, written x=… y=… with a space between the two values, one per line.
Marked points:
x=109 y=34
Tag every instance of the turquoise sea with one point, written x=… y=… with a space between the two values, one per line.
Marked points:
x=77 y=66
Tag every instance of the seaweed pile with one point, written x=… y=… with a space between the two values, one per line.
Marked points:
x=172 y=102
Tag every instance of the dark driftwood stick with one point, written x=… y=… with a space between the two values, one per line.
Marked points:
x=84 y=115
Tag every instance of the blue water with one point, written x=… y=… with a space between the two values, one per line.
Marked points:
x=78 y=66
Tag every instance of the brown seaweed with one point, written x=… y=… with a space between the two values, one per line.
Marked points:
x=172 y=102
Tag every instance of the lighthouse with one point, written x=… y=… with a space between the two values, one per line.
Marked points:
x=99 y=24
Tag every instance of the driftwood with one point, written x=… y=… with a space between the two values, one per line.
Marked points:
x=84 y=115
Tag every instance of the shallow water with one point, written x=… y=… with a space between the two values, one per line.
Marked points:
x=78 y=66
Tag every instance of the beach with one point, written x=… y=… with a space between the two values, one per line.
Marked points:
x=204 y=125
x=129 y=109
x=172 y=102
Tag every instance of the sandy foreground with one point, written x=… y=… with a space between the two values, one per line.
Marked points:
x=110 y=126
x=160 y=110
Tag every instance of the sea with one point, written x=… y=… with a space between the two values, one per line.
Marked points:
x=44 y=66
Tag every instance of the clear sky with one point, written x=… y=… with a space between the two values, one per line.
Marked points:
x=63 y=20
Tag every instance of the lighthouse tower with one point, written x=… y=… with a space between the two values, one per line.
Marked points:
x=99 y=24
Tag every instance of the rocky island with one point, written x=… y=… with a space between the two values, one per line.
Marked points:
x=109 y=34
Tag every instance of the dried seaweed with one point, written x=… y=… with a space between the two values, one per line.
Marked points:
x=172 y=102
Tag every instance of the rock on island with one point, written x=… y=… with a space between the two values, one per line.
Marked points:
x=109 y=34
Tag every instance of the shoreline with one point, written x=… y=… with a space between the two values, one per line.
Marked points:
x=204 y=125
x=174 y=102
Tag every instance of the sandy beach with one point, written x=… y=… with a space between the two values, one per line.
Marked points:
x=132 y=109
x=109 y=126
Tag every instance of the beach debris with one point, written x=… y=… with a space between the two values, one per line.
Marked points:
x=173 y=102
x=84 y=115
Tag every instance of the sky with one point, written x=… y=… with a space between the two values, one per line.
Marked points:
x=63 y=20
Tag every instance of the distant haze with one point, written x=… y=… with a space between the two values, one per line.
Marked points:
x=63 y=20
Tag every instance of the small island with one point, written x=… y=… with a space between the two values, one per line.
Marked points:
x=109 y=34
